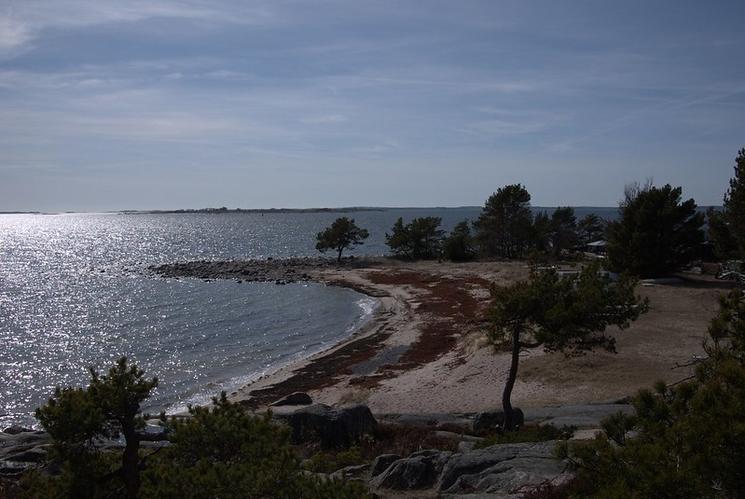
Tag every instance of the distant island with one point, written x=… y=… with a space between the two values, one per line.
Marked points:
x=351 y=209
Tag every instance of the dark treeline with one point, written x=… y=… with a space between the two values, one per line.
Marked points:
x=656 y=231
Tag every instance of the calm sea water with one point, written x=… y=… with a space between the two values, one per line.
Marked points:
x=72 y=295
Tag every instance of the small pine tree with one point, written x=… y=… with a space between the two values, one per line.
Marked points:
x=75 y=417
x=221 y=451
x=342 y=234
x=567 y=314
x=459 y=245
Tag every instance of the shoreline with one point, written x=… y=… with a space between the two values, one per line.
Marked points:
x=423 y=350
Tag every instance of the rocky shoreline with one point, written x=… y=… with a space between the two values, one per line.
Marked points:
x=279 y=271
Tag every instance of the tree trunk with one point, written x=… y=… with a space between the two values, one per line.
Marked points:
x=509 y=419
x=338 y=258
x=130 y=462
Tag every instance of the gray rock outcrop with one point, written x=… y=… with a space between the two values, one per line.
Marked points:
x=507 y=470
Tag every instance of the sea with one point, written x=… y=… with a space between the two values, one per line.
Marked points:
x=75 y=294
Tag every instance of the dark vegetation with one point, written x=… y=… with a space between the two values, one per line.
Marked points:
x=727 y=227
x=343 y=234
x=657 y=233
x=420 y=239
x=684 y=440
x=460 y=246
x=219 y=451
x=504 y=227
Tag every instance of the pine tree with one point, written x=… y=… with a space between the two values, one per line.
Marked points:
x=342 y=234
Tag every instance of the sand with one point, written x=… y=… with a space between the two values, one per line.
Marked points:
x=425 y=350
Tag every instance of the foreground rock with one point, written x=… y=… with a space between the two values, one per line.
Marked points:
x=334 y=428
x=508 y=470
x=19 y=451
x=420 y=470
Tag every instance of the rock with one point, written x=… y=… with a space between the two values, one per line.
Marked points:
x=355 y=472
x=297 y=398
x=16 y=429
x=579 y=416
x=418 y=471
x=407 y=474
x=381 y=463
x=466 y=446
x=491 y=420
x=33 y=455
x=503 y=469
x=334 y=427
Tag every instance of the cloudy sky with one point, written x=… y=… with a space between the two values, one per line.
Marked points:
x=111 y=104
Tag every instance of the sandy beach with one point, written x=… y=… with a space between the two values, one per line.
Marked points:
x=425 y=349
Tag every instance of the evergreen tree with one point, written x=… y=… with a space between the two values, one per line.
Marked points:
x=728 y=228
x=419 y=239
x=657 y=234
x=218 y=452
x=720 y=235
x=567 y=314
x=459 y=245
x=342 y=234
x=110 y=405
x=684 y=440
x=563 y=230
x=221 y=451
x=504 y=227
x=542 y=233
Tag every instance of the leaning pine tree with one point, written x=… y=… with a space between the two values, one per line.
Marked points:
x=342 y=234
x=566 y=314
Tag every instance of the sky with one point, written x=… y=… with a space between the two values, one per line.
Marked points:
x=159 y=104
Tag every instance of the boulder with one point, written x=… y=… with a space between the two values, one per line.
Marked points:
x=32 y=455
x=503 y=469
x=381 y=463
x=333 y=427
x=491 y=420
x=16 y=429
x=297 y=398
x=355 y=472
x=418 y=471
